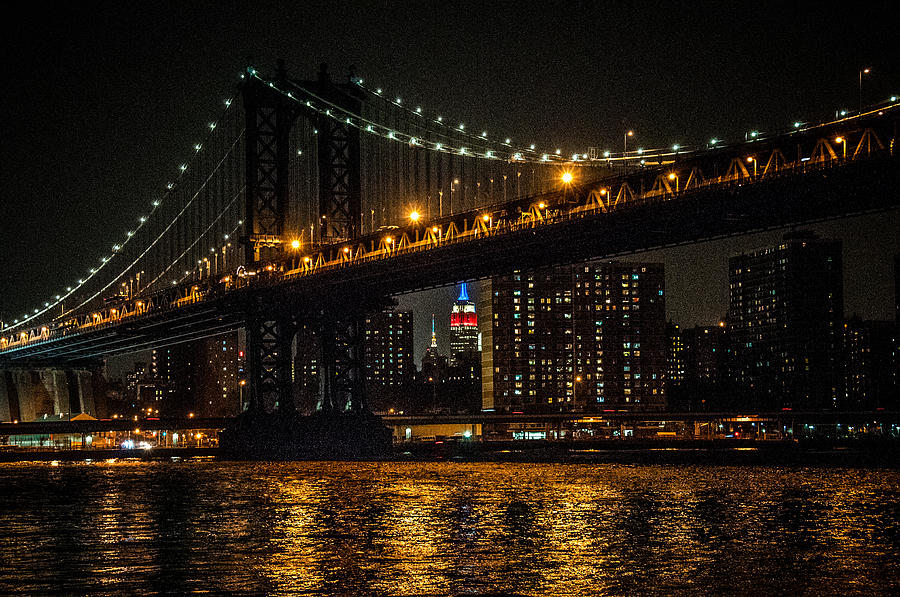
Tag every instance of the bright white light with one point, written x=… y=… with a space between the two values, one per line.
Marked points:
x=675 y=147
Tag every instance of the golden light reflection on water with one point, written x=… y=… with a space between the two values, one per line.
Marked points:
x=446 y=529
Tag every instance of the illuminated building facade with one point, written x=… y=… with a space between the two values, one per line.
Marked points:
x=784 y=323
x=675 y=354
x=463 y=329
x=201 y=377
x=587 y=337
x=868 y=365
x=389 y=357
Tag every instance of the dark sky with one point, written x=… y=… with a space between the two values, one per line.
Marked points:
x=102 y=101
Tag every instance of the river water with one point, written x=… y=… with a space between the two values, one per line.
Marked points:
x=445 y=528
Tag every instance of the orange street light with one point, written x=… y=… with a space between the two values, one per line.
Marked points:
x=674 y=176
x=567 y=177
x=843 y=142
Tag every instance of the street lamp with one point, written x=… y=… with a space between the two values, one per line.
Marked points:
x=450 y=204
x=862 y=71
x=753 y=159
x=843 y=142
x=414 y=216
x=625 y=151
x=674 y=176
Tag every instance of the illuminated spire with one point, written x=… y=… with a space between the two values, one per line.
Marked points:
x=433 y=335
x=463 y=293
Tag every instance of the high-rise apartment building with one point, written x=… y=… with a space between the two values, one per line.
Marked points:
x=587 y=337
x=201 y=377
x=784 y=323
x=675 y=355
x=389 y=358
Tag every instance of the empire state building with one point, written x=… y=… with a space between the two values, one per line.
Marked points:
x=463 y=328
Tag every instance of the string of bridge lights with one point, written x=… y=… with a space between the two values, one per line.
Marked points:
x=167 y=228
x=143 y=220
x=516 y=154
x=344 y=116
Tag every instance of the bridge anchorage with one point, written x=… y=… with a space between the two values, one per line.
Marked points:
x=342 y=425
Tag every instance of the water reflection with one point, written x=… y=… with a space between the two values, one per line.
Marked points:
x=446 y=528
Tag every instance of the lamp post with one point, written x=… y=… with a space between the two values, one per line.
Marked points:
x=450 y=204
x=625 y=151
x=753 y=159
x=843 y=142
x=441 y=203
x=674 y=176
x=862 y=71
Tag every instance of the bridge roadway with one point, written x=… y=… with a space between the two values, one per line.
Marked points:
x=568 y=226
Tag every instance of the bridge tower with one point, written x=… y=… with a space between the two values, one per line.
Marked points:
x=272 y=324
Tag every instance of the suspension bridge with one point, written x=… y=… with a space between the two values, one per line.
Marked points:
x=311 y=203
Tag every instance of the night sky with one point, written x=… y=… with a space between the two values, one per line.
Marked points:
x=101 y=103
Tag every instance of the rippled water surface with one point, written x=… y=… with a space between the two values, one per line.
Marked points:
x=446 y=529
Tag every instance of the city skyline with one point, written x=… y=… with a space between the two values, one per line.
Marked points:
x=77 y=134
x=869 y=285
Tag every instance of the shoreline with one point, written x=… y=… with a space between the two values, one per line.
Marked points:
x=860 y=453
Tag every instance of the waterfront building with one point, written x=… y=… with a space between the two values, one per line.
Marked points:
x=702 y=386
x=867 y=363
x=200 y=378
x=587 y=337
x=784 y=323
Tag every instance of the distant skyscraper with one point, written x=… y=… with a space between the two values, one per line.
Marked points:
x=675 y=355
x=200 y=377
x=389 y=357
x=587 y=337
x=784 y=323
x=463 y=328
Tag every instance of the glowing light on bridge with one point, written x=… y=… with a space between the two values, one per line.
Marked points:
x=567 y=177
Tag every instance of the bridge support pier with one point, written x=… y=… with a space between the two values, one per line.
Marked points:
x=31 y=393
x=341 y=427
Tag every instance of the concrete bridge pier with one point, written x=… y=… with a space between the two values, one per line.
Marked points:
x=30 y=393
